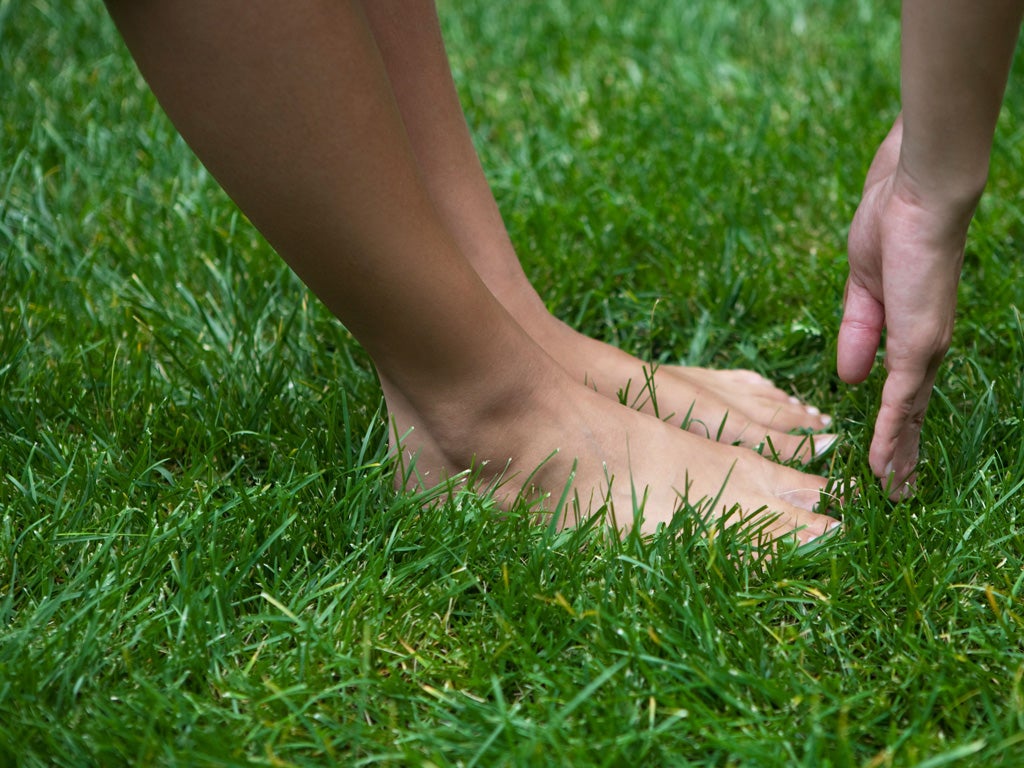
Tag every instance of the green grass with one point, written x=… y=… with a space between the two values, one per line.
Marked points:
x=203 y=562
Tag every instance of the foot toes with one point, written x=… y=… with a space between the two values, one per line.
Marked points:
x=789 y=415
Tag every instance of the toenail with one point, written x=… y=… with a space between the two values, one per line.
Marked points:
x=833 y=528
x=826 y=420
x=820 y=445
x=813 y=411
x=844 y=490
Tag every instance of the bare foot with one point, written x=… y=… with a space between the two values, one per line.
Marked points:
x=561 y=434
x=731 y=406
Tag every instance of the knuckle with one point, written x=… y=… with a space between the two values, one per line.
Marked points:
x=929 y=345
x=901 y=406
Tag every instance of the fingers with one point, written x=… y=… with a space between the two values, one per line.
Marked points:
x=860 y=333
x=896 y=443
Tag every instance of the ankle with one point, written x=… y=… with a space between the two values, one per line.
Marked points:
x=471 y=422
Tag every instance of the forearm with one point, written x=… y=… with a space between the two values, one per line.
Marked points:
x=956 y=57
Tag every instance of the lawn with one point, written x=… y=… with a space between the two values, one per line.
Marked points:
x=203 y=561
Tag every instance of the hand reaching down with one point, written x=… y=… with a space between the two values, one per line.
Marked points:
x=905 y=254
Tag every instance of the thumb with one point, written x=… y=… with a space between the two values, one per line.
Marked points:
x=860 y=333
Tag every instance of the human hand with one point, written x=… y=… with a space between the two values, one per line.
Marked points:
x=905 y=253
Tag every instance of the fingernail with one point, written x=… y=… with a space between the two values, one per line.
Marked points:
x=904 y=492
x=901 y=493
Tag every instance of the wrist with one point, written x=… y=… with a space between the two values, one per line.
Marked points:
x=950 y=193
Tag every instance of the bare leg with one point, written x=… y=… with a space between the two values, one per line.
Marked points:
x=333 y=185
x=748 y=405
